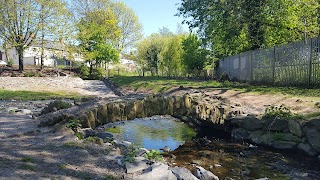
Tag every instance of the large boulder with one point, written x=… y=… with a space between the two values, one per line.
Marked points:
x=203 y=174
x=159 y=171
x=313 y=137
x=295 y=128
x=305 y=147
x=139 y=164
x=183 y=174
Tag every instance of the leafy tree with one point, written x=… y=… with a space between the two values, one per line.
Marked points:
x=194 y=57
x=98 y=31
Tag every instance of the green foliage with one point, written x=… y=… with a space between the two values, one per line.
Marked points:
x=91 y=139
x=194 y=57
x=10 y=62
x=55 y=105
x=31 y=74
x=131 y=153
x=154 y=155
x=74 y=124
x=27 y=159
x=115 y=129
x=84 y=71
x=282 y=112
x=233 y=26
x=28 y=167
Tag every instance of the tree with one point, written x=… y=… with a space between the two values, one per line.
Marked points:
x=234 y=26
x=54 y=20
x=19 y=24
x=194 y=57
x=98 y=31
x=130 y=27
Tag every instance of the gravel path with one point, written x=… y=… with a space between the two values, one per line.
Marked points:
x=29 y=152
x=57 y=84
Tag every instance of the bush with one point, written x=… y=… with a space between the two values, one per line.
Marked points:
x=282 y=112
x=84 y=71
x=10 y=62
x=97 y=73
x=55 y=106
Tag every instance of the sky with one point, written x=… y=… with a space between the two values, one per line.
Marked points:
x=155 y=14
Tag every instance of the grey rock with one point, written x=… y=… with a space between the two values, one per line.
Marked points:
x=295 y=128
x=252 y=123
x=142 y=151
x=23 y=112
x=274 y=124
x=86 y=132
x=319 y=158
x=203 y=174
x=283 y=144
x=182 y=173
x=138 y=165
x=256 y=137
x=159 y=171
x=166 y=149
x=313 y=137
x=104 y=135
x=240 y=134
x=307 y=149
x=262 y=179
x=122 y=143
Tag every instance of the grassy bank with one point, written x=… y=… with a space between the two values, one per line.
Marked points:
x=161 y=84
x=29 y=95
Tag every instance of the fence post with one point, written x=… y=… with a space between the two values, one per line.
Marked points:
x=310 y=64
x=274 y=65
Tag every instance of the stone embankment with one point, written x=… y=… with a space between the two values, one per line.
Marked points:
x=278 y=133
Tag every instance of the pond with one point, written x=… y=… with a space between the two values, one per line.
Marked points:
x=226 y=159
x=154 y=133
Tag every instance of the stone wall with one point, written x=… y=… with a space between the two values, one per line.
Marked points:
x=277 y=133
x=196 y=106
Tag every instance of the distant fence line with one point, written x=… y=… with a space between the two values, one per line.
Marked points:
x=295 y=64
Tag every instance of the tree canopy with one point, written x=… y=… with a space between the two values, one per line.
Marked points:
x=233 y=26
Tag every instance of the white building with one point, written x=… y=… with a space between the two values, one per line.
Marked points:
x=54 y=53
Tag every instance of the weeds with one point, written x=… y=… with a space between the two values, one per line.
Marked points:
x=74 y=124
x=27 y=159
x=281 y=112
x=154 y=155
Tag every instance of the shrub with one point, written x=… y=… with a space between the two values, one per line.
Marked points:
x=154 y=155
x=282 y=112
x=10 y=62
x=84 y=71
x=55 y=106
x=97 y=73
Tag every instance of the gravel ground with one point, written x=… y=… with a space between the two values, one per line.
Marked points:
x=57 y=84
x=30 y=152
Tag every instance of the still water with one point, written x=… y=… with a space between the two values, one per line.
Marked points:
x=155 y=132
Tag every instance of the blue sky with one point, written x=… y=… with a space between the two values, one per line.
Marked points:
x=155 y=14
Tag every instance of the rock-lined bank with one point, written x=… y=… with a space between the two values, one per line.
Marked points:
x=277 y=133
x=197 y=107
x=199 y=110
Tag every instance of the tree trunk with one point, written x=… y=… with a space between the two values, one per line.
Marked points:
x=91 y=70
x=42 y=37
x=20 y=55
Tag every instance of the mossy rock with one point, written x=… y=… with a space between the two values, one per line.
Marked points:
x=55 y=106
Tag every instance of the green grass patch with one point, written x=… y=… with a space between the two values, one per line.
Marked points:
x=115 y=129
x=27 y=159
x=162 y=84
x=28 y=167
x=30 y=95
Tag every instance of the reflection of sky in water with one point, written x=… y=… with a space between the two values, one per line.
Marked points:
x=156 y=133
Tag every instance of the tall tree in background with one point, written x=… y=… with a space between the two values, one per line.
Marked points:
x=98 y=32
x=194 y=57
x=234 y=26
x=54 y=22
x=19 y=24
x=130 y=27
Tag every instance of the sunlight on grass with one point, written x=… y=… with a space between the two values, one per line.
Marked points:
x=162 y=84
x=30 y=95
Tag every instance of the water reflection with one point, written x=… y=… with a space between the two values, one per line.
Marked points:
x=156 y=132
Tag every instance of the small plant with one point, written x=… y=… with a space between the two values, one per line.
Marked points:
x=154 y=155
x=114 y=129
x=74 y=124
x=282 y=112
x=132 y=152
x=91 y=139
x=79 y=135
x=27 y=159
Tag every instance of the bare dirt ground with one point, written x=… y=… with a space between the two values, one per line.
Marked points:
x=57 y=84
x=29 y=152
x=255 y=103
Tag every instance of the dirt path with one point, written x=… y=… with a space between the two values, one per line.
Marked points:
x=57 y=84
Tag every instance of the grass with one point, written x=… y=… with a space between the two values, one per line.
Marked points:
x=162 y=84
x=30 y=95
x=27 y=159
x=28 y=167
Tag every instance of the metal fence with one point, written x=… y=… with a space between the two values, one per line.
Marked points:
x=296 y=64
